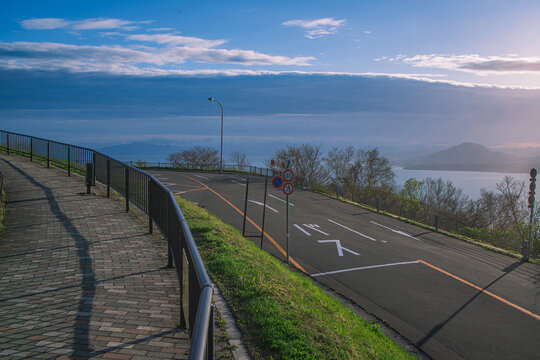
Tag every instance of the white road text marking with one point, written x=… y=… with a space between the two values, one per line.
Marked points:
x=339 y=247
x=202 y=177
x=314 y=227
x=302 y=230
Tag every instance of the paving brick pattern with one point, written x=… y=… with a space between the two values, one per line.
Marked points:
x=79 y=277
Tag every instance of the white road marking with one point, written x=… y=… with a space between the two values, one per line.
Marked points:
x=262 y=204
x=283 y=201
x=302 y=230
x=180 y=193
x=349 y=250
x=161 y=178
x=168 y=184
x=365 y=268
x=236 y=182
x=354 y=231
x=396 y=231
x=339 y=247
x=241 y=179
x=314 y=227
x=202 y=177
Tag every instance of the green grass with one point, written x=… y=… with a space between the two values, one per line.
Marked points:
x=282 y=314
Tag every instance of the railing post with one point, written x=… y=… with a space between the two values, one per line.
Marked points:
x=7 y=134
x=126 y=187
x=69 y=160
x=94 y=165
x=48 y=154
x=148 y=193
x=436 y=222
x=210 y=337
x=108 y=177
x=378 y=205
x=31 y=149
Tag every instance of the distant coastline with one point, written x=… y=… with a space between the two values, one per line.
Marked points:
x=499 y=168
x=473 y=157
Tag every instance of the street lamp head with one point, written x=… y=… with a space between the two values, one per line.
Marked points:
x=210 y=99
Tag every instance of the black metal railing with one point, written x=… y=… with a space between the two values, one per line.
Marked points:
x=159 y=203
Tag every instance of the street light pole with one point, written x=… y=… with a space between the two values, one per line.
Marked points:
x=221 y=150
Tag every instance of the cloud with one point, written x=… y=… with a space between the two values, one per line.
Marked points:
x=125 y=60
x=87 y=24
x=480 y=65
x=317 y=28
x=44 y=24
x=172 y=39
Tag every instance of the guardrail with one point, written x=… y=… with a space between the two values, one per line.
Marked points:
x=159 y=203
x=247 y=169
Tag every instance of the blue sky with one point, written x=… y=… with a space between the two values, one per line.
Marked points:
x=488 y=49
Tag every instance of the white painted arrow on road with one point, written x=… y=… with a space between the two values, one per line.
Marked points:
x=339 y=247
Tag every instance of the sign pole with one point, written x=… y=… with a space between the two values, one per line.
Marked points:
x=264 y=206
x=245 y=208
x=288 y=235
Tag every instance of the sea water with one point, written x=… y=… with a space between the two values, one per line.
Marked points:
x=471 y=182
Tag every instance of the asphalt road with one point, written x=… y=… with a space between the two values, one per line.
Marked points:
x=452 y=299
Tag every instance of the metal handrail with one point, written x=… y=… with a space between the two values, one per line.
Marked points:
x=159 y=203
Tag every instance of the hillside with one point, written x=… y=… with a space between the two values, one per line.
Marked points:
x=471 y=157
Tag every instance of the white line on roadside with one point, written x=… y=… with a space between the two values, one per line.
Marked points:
x=283 y=201
x=179 y=192
x=261 y=204
x=202 y=177
x=314 y=227
x=302 y=230
x=236 y=182
x=365 y=268
x=351 y=230
x=396 y=231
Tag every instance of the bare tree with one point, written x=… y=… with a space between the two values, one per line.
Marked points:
x=175 y=159
x=203 y=157
x=306 y=161
x=239 y=160
x=376 y=173
x=512 y=207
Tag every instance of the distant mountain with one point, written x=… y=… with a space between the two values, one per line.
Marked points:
x=140 y=151
x=471 y=157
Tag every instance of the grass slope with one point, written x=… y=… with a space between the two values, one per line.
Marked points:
x=282 y=314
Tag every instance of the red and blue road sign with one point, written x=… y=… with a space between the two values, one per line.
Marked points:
x=288 y=189
x=277 y=182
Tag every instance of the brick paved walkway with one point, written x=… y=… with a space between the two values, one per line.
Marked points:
x=80 y=278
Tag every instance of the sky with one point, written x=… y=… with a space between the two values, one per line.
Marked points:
x=367 y=73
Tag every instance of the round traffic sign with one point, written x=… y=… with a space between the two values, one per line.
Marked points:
x=288 y=188
x=277 y=181
x=288 y=175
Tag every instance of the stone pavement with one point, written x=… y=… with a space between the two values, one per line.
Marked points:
x=79 y=277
